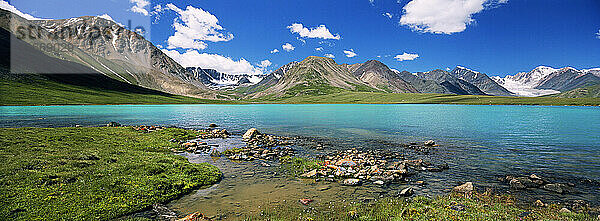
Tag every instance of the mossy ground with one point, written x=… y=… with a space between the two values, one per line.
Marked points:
x=92 y=173
x=475 y=206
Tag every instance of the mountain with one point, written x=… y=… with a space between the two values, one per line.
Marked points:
x=313 y=76
x=217 y=80
x=451 y=83
x=104 y=47
x=582 y=92
x=546 y=80
x=422 y=85
x=378 y=75
x=482 y=81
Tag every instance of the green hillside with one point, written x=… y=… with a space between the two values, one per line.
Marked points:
x=583 y=92
x=82 y=89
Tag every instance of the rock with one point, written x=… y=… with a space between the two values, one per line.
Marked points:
x=564 y=210
x=420 y=182
x=309 y=174
x=555 y=187
x=430 y=143
x=305 y=201
x=534 y=177
x=213 y=125
x=527 y=182
x=379 y=182
x=193 y=217
x=465 y=188
x=351 y=182
x=516 y=184
x=407 y=191
x=265 y=164
x=113 y=124
x=539 y=203
x=251 y=133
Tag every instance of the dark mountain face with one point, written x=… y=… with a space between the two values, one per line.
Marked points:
x=451 y=83
x=482 y=81
x=105 y=47
x=567 y=79
x=422 y=85
x=378 y=75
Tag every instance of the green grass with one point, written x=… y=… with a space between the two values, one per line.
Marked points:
x=39 y=91
x=92 y=173
x=449 y=207
x=414 y=98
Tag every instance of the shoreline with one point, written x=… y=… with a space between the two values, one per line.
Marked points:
x=275 y=103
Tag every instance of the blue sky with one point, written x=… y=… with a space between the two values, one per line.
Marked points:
x=497 y=37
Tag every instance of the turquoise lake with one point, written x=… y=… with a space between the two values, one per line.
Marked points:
x=483 y=141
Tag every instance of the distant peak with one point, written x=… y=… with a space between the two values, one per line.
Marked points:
x=464 y=68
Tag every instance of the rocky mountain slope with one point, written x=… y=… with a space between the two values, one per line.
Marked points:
x=546 y=80
x=217 y=80
x=314 y=76
x=582 y=92
x=481 y=80
x=378 y=75
x=104 y=47
x=451 y=83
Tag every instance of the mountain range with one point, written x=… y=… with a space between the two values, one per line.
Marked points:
x=125 y=56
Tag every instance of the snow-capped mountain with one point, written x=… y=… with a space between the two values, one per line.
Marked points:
x=216 y=80
x=547 y=80
x=482 y=81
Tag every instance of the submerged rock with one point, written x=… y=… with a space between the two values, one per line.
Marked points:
x=465 y=188
x=351 y=182
x=555 y=187
x=430 y=143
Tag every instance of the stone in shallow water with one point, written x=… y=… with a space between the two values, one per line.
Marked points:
x=250 y=134
x=407 y=191
x=430 y=143
x=465 y=188
x=351 y=182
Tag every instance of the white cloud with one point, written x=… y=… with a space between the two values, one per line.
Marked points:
x=193 y=27
x=441 y=16
x=193 y=58
x=140 y=6
x=330 y=56
x=350 y=53
x=288 y=47
x=389 y=15
x=318 y=32
x=406 y=57
x=8 y=7
x=319 y=49
x=265 y=63
x=598 y=34
x=274 y=51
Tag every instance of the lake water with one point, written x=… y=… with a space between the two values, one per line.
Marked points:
x=480 y=142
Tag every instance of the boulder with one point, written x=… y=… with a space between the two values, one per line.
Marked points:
x=539 y=203
x=309 y=174
x=251 y=133
x=555 y=187
x=430 y=143
x=351 y=182
x=213 y=125
x=465 y=188
x=407 y=192
x=379 y=182
x=516 y=184
x=564 y=210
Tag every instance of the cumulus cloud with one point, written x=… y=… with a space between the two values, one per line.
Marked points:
x=598 y=34
x=330 y=56
x=194 y=26
x=140 y=6
x=441 y=16
x=274 y=51
x=319 y=49
x=406 y=57
x=389 y=15
x=192 y=58
x=318 y=32
x=265 y=63
x=350 y=53
x=8 y=7
x=288 y=47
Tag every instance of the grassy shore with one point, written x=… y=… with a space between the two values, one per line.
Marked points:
x=413 y=98
x=92 y=173
x=455 y=206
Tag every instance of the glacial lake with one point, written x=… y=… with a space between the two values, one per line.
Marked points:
x=480 y=143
